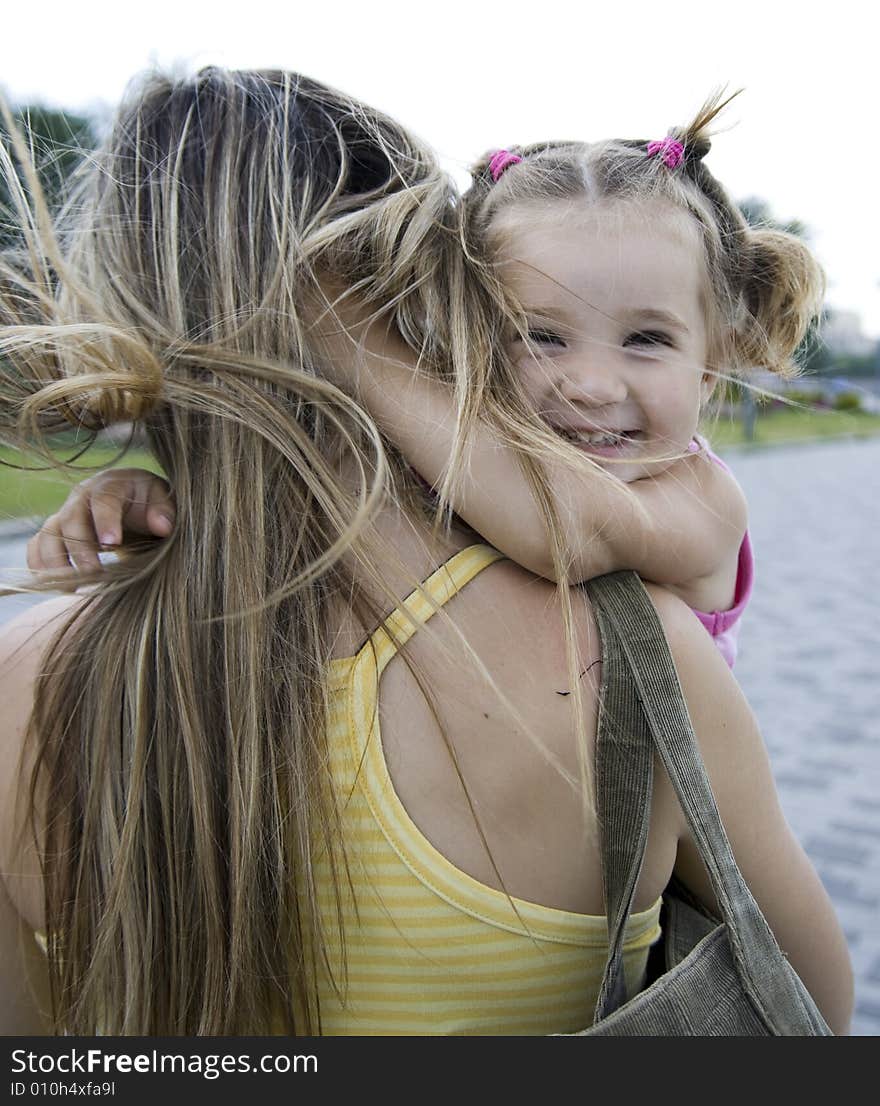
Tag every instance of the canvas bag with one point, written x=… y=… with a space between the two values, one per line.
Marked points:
x=722 y=976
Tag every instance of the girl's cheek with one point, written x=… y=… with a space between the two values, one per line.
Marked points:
x=535 y=368
x=526 y=370
x=534 y=383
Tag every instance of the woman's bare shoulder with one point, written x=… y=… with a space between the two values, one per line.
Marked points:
x=24 y=642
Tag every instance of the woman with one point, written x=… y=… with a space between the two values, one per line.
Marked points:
x=226 y=844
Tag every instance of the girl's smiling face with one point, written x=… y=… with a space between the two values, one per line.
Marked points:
x=614 y=294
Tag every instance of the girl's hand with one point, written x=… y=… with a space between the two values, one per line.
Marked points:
x=97 y=515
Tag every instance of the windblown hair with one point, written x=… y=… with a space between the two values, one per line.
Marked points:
x=766 y=287
x=179 y=725
x=180 y=789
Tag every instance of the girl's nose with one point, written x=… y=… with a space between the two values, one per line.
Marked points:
x=594 y=380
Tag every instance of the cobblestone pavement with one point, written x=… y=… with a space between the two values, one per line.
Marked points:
x=810 y=665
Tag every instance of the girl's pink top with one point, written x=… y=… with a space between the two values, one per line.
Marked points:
x=724 y=625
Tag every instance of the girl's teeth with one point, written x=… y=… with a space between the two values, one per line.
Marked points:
x=596 y=438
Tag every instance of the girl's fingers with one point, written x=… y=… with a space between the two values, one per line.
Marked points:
x=161 y=510
x=49 y=549
x=34 y=554
x=47 y=552
x=97 y=514
x=80 y=541
x=66 y=538
x=150 y=509
x=108 y=508
x=131 y=501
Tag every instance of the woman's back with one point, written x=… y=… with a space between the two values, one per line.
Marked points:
x=476 y=902
x=515 y=744
x=500 y=717
x=518 y=824
x=491 y=784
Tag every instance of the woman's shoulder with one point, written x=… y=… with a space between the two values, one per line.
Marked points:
x=24 y=643
x=709 y=688
x=408 y=553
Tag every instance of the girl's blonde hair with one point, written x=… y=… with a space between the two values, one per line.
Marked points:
x=765 y=285
x=181 y=762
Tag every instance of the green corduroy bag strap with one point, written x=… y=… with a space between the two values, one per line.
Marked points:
x=642 y=710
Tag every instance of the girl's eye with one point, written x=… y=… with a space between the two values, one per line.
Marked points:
x=648 y=338
x=542 y=337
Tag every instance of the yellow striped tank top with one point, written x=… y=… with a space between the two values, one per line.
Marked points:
x=429 y=949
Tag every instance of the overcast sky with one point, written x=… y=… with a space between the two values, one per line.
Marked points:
x=468 y=76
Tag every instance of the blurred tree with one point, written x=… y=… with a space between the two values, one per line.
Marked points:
x=57 y=140
x=858 y=365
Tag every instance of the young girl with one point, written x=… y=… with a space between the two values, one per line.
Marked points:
x=638 y=285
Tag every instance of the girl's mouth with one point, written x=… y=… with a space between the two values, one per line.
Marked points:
x=603 y=442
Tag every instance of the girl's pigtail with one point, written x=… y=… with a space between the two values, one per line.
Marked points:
x=783 y=289
x=696 y=136
x=775 y=283
x=489 y=169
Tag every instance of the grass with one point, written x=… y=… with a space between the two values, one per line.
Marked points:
x=776 y=427
x=39 y=493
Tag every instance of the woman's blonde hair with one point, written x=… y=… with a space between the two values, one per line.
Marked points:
x=181 y=788
x=765 y=285
x=181 y=763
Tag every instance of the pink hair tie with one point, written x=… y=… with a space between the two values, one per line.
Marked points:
x=501 y=160
x=671 y=150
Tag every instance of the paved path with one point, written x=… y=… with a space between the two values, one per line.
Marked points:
x=810 y=665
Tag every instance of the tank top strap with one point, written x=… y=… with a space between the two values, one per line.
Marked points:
x=427 y=599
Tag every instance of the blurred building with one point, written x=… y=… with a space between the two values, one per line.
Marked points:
x=841 y=331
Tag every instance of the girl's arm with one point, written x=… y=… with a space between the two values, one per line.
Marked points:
x=682 y=528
